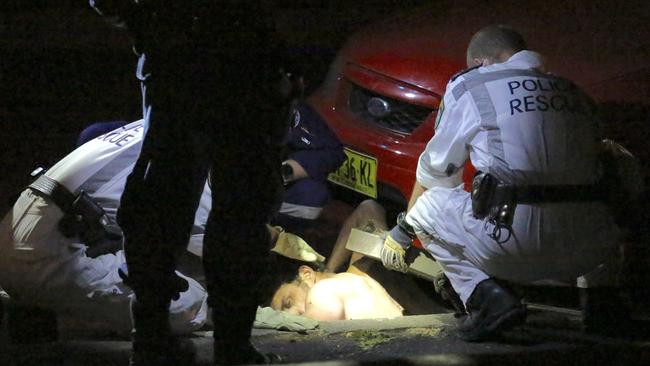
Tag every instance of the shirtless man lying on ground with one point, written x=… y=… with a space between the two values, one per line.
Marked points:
x=365 y=290
x=335 y=296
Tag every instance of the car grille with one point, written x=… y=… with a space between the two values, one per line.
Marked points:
x=402 y=117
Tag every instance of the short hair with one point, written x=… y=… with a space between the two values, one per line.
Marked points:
x=282 y=270
x=491 y=41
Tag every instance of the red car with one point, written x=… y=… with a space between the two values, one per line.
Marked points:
x=381 y=102
x=383 y=89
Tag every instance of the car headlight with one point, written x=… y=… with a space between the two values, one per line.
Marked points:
x=378 y=107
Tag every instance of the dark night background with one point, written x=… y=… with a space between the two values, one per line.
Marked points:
x=62 y=67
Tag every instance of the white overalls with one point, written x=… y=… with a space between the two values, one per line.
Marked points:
x=41 y=267
x=524 y=127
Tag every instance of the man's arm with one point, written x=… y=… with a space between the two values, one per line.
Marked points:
x=440 y=164
x=315 y=150
x=417 y=191
x=295 y=172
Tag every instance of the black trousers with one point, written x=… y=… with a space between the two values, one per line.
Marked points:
x=217 y=113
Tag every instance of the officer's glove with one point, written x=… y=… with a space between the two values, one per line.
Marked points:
x=400 y=238
x=392 y=255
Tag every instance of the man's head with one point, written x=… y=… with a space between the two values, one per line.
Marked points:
x=493 y=44
x=289 y=254
x=292 y=296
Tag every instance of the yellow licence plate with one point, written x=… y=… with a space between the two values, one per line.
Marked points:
x=358 y=173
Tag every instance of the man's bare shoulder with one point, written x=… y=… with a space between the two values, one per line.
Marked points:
x=346 y=285
x=324 y=301
x=338 y=282
x=359 y=295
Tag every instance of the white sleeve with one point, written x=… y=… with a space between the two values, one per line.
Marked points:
x=442 y=161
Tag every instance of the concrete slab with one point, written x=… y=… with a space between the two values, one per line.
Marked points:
x=369 y=244
x=548 y=338
x=415 y=321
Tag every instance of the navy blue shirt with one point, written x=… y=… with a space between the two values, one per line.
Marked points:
x=312 y=144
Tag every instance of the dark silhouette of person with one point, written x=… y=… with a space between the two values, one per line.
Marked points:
x=217 y=103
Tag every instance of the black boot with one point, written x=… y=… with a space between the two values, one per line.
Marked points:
x=232 y=340
x=162 y=351
x=153 y=343
x=30 y=325
x=605 y=312
x=491 y=309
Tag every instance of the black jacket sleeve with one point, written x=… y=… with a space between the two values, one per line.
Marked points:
x=313 y=145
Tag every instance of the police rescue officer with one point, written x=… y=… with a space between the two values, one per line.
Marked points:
x=312 y=152
x=216 y=100
x=535 y=211
x=60 y=247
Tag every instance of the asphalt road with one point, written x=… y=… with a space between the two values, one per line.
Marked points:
x=549 y=337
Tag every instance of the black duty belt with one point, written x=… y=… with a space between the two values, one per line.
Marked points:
x=496 y=201
x=550 y=193
x=83 y=217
